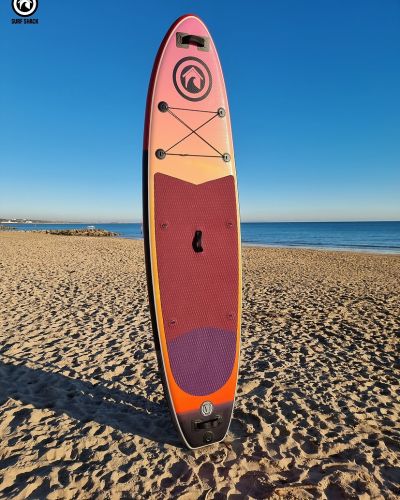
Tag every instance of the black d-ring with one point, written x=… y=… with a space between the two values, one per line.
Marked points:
x=163 y=106
x=161 y=154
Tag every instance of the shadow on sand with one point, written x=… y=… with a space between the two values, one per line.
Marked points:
x=85 y=401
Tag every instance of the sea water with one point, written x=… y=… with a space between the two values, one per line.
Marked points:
x=382 y=237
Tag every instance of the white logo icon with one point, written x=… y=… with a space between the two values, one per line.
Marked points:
x=25 y=8
x=206 y=408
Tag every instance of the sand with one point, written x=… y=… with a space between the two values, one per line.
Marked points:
x=82 y=412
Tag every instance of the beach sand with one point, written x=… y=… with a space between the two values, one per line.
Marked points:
x=82 y=412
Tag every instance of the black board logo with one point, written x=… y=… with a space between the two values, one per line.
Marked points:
x=192 y=78
x=24 y=8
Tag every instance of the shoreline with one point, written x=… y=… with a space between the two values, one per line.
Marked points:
x=325 y=249
x=246 y=244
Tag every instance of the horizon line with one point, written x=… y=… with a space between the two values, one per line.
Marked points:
x=278 y=221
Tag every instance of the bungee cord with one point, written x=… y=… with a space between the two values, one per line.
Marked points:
x=162 y=153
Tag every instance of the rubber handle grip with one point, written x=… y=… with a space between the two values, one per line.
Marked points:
x=194 y=40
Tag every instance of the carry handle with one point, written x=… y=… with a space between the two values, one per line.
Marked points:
x=193 y=40
x=183 y=40
x=196 y=243
x=207 y=424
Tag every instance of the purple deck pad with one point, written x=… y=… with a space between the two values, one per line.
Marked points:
x=202 y=360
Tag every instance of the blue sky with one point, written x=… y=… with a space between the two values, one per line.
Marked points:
x=314 y=91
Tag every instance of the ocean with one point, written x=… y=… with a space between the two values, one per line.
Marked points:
x=381 y=237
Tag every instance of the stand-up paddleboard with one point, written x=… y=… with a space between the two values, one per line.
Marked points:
x=192 y=232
